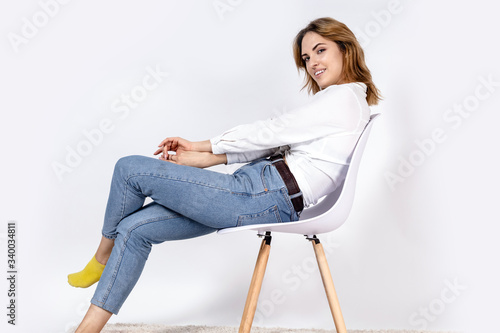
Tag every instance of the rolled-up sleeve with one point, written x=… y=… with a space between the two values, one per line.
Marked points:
x=249 y=155
x=324 y=115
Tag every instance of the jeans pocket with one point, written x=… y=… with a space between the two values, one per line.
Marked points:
x=269 y=215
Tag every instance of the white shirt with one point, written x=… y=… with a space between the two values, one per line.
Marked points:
x=318 y=138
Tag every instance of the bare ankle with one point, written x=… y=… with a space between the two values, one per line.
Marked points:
x=104 y=250
x=102 y=259
x=94 y=320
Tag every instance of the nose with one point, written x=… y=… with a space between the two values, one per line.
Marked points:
x=313 y=62
x=312 y=70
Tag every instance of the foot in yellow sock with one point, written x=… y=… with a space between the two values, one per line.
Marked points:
x=88 y=276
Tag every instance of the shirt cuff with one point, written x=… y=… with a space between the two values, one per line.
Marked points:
x=232 y=158
x=216 y=149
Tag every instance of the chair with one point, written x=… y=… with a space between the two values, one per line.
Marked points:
x=328 y=215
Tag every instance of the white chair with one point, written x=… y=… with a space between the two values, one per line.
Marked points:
x=326 y=216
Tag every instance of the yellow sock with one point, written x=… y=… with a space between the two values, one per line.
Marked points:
x=88 y=276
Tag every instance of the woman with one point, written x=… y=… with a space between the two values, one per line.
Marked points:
x=189 y=201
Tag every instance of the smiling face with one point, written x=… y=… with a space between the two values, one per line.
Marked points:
x=323 y=59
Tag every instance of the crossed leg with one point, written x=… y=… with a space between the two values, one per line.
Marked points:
x=153 y=224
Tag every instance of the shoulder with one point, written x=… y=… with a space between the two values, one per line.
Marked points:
x=344 y=103
x=356 y=90
x=346 y=95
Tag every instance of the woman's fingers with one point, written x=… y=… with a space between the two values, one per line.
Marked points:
x=163 y=142
x=169 y=157
x=174 y=144
x=165 y=157
x=171 y=142
x=163 y=150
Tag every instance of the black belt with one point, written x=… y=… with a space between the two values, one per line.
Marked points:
x=290 y=182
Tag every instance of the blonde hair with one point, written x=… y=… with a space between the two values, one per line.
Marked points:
x=354 y=67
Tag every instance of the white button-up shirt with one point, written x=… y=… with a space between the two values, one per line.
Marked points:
x=317 y=138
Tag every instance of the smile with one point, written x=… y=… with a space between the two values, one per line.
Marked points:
x=318 y=73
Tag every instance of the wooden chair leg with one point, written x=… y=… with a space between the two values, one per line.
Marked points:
x=255 y=285
x=329 y=287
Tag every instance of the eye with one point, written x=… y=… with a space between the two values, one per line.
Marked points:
x=321 y=50
x=305 y=59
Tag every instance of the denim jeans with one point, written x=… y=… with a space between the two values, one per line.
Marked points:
x=187 y=202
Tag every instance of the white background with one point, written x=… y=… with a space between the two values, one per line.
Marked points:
x=405 y=242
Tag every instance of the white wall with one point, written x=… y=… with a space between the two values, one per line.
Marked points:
x=407 y=241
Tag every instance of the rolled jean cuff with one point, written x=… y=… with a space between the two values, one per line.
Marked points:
x=104 y=306
x=109 y=236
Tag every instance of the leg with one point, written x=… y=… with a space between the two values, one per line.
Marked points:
x=255 y=193
x=211 y=198
x=104 y=250
x=255 y=285
x=153 y=224
x=135 y=178
x=94 y=320
x=329 y=287
x=93 y=270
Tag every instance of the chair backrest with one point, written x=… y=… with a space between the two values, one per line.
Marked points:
x=342 y=198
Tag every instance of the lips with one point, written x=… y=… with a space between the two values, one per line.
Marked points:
x=318 y=73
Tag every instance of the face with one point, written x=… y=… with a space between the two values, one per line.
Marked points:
x=323 y=59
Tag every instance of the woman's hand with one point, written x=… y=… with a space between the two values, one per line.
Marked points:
x=173 y=144
x=179 y=144
x=197 y=154
x=195 y=158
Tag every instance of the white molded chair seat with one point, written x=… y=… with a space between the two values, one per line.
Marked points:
x=327 y=215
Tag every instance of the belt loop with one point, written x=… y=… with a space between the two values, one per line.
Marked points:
x=276 y=158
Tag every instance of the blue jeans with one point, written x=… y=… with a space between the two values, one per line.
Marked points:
x=187 y=202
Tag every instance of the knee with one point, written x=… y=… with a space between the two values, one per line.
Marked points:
x=124 y=164
x=127 y=226
x=133 y=238
x=129 y=160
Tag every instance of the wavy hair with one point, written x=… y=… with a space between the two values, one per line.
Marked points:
x=354 y=68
